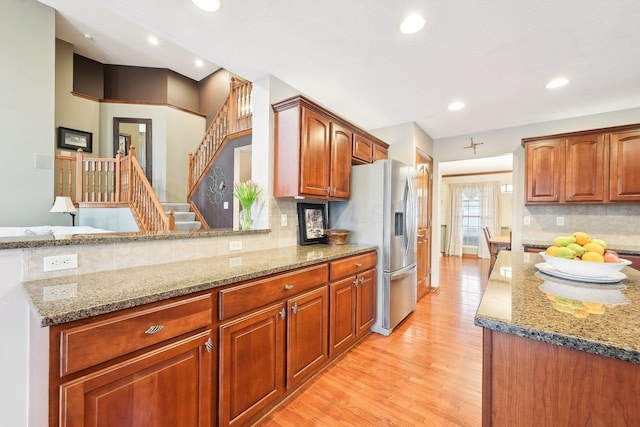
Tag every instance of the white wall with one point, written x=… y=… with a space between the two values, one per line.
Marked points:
x=27 y=41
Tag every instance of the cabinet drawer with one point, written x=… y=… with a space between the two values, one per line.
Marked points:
x=243 y=298
x=99 y=341
x=352 y=265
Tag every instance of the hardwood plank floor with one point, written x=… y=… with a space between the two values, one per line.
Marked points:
x=427 y=372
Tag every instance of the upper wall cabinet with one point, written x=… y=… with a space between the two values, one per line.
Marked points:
x=314 y=150
x=583 y=167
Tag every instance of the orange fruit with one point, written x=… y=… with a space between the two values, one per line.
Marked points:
x=581 y=237
x=552 y=250
x=592 y=256
x=593 y=247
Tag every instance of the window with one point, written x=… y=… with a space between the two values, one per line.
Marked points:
x=471 y=221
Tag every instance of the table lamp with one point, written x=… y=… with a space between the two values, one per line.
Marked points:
x=64 y=204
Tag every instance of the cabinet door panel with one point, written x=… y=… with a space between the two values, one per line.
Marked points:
x=585 y=171
x=624 y=181
x=340 y=181
x=167 y=387
x=362 y=148
x=366 y=310
x=544 y=171
x=251 y=364
x=307 y=334
x=315 y=154
x=342 y=314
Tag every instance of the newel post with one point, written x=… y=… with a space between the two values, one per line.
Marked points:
x=118 y=187
x=190 y=174
x=79 y=175
x=232 y=117
x=132 y=154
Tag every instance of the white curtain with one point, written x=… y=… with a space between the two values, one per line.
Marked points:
x=489 y=214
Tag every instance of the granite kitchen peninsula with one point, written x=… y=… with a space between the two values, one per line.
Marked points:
x=210 y=341
x=558 y=352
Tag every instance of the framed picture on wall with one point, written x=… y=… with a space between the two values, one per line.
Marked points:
x=312 y=221
x=124 y=142
x=72 y=139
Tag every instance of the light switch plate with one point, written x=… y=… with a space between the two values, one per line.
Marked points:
x=283 y=220
x=560 y=221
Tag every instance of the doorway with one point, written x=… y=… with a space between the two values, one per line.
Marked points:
x=134 y=132
x=424 y=166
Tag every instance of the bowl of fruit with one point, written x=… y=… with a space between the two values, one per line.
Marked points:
x=581 y=256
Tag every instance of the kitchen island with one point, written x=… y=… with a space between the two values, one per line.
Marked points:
x=549 y=359
x=178 y=341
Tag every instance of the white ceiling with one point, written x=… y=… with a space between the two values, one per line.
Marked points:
x=494 y=55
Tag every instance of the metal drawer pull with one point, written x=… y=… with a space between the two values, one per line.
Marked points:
x=154 y=329
x=359 y=264
x=288 y=287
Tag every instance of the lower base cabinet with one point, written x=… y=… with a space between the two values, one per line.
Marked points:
x=169 y=387
x=254 y=354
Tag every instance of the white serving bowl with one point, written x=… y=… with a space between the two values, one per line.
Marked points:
x=585 y=268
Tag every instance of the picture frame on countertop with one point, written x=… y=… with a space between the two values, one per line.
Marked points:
x=73 y=139
x=312 y=221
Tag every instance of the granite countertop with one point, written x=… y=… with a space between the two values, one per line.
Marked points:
x=108 y=291
x=518 y=301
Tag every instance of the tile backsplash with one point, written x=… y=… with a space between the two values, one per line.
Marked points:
x=617 y=224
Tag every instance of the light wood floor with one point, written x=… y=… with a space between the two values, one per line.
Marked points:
x=427 y=372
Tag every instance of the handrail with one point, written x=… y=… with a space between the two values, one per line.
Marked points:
x=234 y=116
x=105 y=181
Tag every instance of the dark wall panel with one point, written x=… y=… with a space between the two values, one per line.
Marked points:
x=182 y=91
x=88 y=77
x=143 y=84
x=208 y=197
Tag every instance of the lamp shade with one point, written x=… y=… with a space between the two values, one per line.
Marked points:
x=63 y=204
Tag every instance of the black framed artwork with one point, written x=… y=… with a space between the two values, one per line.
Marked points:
x=312 y=221
x=72 y=139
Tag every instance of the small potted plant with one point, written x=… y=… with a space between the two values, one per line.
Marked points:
x=246 y=193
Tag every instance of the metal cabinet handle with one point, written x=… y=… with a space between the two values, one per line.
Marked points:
x=355 y=282
x=294 y=308
x=209 y=345
x=359 y=264
x=288 y=287
x=334 y=191
x=362 y=280
x=283 y=313
x=154 y=329
x=328 y=190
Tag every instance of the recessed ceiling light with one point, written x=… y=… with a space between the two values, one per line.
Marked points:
x=457 y=105
x=412 y=24
x=208 y=5
x=556 y=83
x=88 y=36
x=153 y=40
x=199 y=63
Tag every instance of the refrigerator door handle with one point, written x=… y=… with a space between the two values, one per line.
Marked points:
x=410 y=215
x=407 y=271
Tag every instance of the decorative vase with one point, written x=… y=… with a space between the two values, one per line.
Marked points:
x=245 y=218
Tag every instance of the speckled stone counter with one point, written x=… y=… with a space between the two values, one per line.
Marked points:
x=544 y=244
x=516 y=302
x=108 y=291
x=25 y=242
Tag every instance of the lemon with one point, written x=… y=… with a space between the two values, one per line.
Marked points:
x=593 y=247
x=592 y=256
x=581 y=237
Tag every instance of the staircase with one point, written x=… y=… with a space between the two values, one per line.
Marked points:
x=185 y=220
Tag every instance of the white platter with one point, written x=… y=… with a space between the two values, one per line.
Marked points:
x=610 y=278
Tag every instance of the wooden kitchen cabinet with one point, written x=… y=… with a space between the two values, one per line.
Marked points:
x=252 y=355
x=312 y=153
x=544 y=170
x=274 y=335
x=362 y=148
x=624 y=178
x=380 y=152
x=145 y=366
x=352 y=300
x=314 y=150
x=595 y=166
x=424 y=184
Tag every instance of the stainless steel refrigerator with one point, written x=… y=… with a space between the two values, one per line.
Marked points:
x=382 y=212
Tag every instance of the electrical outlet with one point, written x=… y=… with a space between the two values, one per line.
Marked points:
x=283 y=220
x=60 y=262
x=235 y=261
x=235 y=245
x=58 y=292
x=526 y=220
x=560 y=221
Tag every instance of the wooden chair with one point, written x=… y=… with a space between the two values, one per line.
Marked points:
x=492 y=251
